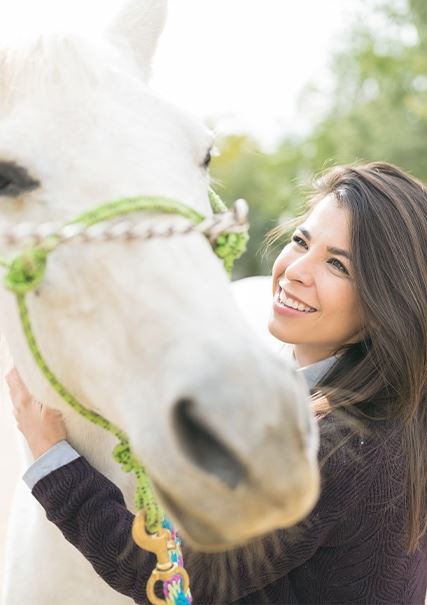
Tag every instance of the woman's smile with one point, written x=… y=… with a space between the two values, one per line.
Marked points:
x=285 y=304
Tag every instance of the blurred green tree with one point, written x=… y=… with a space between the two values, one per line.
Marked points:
x=377 y=111
x=267 y=181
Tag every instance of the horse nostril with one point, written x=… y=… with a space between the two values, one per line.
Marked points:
x=203 y=447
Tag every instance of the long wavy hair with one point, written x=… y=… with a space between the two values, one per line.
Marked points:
x=384 y=376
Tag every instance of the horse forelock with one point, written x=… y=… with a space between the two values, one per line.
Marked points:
x=61 y=64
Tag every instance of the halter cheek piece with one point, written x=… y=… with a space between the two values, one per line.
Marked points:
x=227 y=231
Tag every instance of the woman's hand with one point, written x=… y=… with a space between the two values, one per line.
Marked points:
x=41 y=426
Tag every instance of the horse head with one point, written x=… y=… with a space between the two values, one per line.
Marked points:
x=145 y=331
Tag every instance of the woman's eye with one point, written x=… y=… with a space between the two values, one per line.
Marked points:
x=336 y=263
x=299 y=241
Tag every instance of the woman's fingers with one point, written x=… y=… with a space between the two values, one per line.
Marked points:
x=19 y=393
x=41 y=426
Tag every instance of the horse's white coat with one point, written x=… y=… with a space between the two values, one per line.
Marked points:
x=10 y=461
x=132 y=329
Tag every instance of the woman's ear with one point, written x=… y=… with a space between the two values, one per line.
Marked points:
x=138 y=26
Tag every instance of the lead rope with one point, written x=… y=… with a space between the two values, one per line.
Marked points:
x=151 y=530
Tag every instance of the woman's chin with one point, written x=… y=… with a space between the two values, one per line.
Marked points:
x=279 y=331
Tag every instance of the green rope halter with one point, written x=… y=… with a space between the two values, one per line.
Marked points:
x=26 y=271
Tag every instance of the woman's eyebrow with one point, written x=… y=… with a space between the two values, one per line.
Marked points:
x=330 y=249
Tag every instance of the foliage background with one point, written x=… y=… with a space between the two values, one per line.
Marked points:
x=377 y=110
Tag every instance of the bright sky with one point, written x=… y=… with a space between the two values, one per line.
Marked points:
x=245 y=62
x=240 y=63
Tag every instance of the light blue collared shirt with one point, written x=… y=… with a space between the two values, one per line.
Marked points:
x=58 y=455
x=62 y=453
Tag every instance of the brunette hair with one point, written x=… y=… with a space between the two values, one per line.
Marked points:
x=384 y=377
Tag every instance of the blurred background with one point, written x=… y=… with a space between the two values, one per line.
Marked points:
x=371 y=106
x=292 y=88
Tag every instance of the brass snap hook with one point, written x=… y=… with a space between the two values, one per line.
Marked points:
x=159 y=543
x=163 y=576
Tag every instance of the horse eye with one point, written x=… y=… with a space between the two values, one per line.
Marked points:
x=207 y=160
x=15 y=179
x=4 y=182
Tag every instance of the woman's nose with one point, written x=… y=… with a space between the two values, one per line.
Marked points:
x=300 y=270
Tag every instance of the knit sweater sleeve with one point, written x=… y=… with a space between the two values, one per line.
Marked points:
x=91 y=513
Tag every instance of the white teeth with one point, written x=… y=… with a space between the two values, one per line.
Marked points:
x=293 y=304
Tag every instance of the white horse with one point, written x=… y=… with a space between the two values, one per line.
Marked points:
x=146 y=332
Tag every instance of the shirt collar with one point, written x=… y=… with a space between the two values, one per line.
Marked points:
x=314 y=372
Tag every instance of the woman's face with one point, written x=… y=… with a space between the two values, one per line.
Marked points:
x=315 y=304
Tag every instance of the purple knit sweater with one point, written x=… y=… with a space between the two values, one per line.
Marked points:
x=349 y=550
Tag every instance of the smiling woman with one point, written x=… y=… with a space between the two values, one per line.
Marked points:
x=358 y=259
